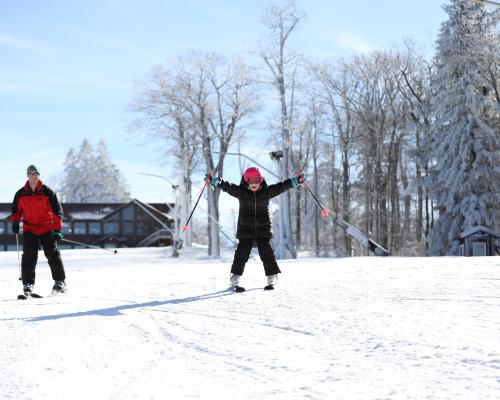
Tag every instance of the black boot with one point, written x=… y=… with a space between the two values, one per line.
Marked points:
x=59 y=287
x=28 y=289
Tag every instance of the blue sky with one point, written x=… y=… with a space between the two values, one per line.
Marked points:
x=68 y=68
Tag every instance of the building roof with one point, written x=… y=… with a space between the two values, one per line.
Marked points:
x=479 y=228
x=98 y=211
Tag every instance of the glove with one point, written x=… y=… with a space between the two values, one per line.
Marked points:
x=212 y=180
x=57 y=236
x=298 y=180
x=15 y=227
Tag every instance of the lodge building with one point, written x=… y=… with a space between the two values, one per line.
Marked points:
x=108 y=225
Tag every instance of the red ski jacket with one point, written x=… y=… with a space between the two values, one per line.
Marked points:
x=40 y=210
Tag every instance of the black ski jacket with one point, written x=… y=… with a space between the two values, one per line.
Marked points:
x=253 y=219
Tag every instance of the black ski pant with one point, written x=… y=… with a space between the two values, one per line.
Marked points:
x=31 y=243
x=266 y=254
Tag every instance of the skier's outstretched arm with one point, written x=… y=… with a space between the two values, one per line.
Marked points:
x=280 y=187
x=218 y=182
x=230 y=188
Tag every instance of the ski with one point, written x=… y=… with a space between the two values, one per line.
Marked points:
x=29 y=295
x=240 y=289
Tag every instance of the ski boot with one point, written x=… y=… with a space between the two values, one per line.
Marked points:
x=59 y=287
x=28 y=289
x=234 y=283
x=271 y=281
x=28 y=292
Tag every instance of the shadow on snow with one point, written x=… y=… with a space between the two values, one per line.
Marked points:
x=114 y=311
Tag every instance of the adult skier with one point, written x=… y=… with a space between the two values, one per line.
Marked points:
x=39 y=209
x=254 y=222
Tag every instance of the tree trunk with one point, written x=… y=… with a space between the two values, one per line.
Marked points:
x=346 y=200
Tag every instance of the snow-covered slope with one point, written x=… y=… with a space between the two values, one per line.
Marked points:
x=142 y=325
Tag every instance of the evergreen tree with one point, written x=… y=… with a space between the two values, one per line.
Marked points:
x=91 y=176
x=465 y=143
x=86 y=172
x=110 y=185
x=68 y=186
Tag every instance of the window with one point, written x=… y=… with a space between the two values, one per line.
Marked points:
x=80 y=228
x=95 y=228
x=114 y=217
x=67 y=228
x=128 y=228
x=111 y=228
x=128 y=213
x=3 y=228
x=141 y=215
x=142 y=228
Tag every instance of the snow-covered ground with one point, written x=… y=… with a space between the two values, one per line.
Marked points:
x=142 y=325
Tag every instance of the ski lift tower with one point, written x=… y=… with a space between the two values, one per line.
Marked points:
x=177 y=242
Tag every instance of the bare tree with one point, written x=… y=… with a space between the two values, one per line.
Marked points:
x=219 y=96
x=415 y=87
x=281 y=21
x=338 y=91
x=379 y=112
x=161 y=112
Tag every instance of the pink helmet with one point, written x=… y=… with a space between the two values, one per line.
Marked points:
x=253 y=174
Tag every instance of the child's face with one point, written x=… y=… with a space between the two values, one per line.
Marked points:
x=254 y=184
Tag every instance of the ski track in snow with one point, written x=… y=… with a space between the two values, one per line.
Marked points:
x=142 y=325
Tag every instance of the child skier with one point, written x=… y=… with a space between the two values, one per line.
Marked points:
x=254 y=222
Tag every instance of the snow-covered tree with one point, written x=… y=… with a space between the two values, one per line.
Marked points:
x=281 y=20
x=197 y=104
x=91 y=176
x=111 y=185
x=465 y=147
x=161 y=113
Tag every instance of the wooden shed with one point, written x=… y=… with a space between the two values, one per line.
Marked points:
x=479 y=241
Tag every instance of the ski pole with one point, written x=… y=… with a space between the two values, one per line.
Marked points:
x=186 y=227
x=89 y=245
x=324 y=211
x=18 y=258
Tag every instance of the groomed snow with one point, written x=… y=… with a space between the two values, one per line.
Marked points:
x=142 y=325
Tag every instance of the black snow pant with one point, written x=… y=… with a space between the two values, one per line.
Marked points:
x=266 y=254
x=31 y=243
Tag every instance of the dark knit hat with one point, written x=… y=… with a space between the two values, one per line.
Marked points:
x=32 y=170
